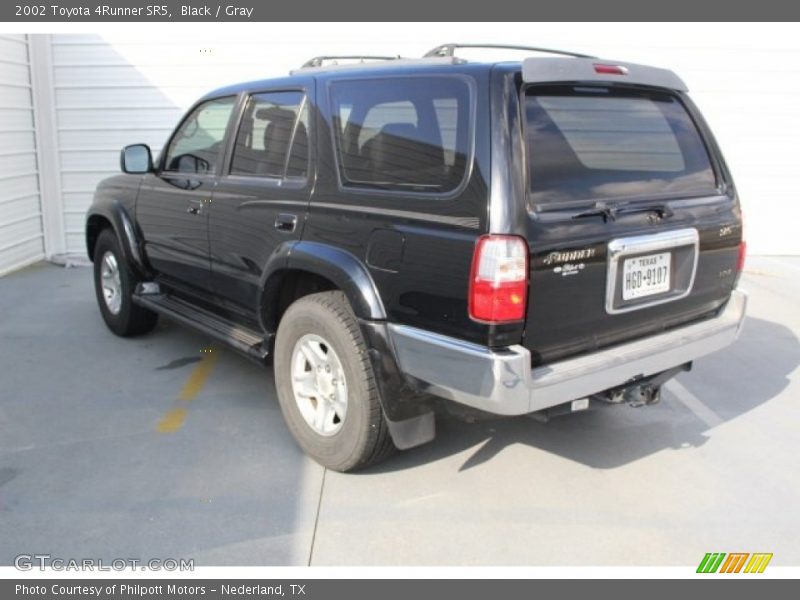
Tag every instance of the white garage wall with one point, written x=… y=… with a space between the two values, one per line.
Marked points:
x=21 y=236
x=102 y=102
x=132 y=83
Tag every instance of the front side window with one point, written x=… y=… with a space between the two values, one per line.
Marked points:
x=409 y=134
x=272 y=140
x=586 y=143
x=198 y=143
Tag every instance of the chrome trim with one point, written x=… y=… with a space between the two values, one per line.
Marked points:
x=501 y=381
x=643 y=244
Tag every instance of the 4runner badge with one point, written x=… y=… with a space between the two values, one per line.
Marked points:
x=555 y=258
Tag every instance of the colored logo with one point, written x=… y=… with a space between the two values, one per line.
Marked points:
x=735 y=562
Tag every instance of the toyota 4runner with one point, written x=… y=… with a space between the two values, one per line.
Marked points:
x=519 y=237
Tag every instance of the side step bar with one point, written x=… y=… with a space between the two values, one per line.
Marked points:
x=238 y=337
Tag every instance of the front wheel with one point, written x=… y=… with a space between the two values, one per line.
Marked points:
x=114 y=284
x=326 y=386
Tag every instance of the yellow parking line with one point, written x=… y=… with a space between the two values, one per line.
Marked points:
x=198 y=377
x=173 y=420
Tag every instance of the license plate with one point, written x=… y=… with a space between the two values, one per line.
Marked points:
x=646 y=275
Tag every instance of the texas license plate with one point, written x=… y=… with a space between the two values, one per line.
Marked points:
x=646 y=275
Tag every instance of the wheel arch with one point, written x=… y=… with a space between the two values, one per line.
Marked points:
x=115 y=217
x=299 y=268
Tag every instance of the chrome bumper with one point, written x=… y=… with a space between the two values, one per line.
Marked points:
x=501 y=381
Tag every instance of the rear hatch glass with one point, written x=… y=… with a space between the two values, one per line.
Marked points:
x=640 y=154
x=599 y=144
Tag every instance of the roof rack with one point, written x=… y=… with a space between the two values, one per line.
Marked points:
x=450 y=49
x=318 y=60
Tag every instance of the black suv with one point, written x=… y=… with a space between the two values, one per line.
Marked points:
x=519 y=237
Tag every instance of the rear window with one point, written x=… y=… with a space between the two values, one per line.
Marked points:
x=598 y=143
x=272 y=140
x=408 y=134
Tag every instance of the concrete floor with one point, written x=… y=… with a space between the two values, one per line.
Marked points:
x=86 y=469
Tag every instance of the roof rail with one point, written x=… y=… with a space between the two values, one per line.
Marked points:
x=450 y=49
x=318 y=60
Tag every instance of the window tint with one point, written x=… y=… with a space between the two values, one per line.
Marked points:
x=598 y=143
x=408 y=134
x=197 y=143
x=273 y=137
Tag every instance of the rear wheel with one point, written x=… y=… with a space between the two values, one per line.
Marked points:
x=326 y=387
x=114 y=283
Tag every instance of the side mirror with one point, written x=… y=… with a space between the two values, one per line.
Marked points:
x=136 y=159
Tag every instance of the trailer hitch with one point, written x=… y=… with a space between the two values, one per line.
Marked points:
x=644 y=391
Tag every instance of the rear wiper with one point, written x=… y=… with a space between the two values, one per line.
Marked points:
x=610 y=212
x=601 y=209
x=662 y=210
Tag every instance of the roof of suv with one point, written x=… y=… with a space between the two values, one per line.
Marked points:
x=383 y=67
x=567 y=66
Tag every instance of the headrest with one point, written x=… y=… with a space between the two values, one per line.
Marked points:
x=406 y=130
x=274 y=113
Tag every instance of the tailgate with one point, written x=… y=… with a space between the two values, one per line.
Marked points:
x=630 y=228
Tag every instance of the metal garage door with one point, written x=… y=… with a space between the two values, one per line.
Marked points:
x=21 y=236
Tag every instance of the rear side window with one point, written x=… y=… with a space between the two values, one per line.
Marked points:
x=606 y=144
x=272 y=140
x=408 y=134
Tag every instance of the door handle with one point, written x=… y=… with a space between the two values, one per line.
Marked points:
x=285 y=223
x=194 y=208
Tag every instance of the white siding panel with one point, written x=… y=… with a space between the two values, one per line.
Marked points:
x=15 y=118
x=16 y=96
x=77 y=202
x=126 y=75
x=21 y=161
x=74 y=222
x=110 y=140
x=107 y=160
x=83 y=98
x=11 y=70
x=81 y=180
x=13 y=141
x=20 y=252
x=13 y=49
x=13 y=185
x=119 y=117
x=21 y=238
x=21 y=207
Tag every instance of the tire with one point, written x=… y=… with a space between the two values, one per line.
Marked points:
x=356 y=436
x=121 y=315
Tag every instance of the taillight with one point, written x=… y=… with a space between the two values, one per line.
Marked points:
x=741 y=257
x=498 y=286
x=742 y=251
x=610 y=69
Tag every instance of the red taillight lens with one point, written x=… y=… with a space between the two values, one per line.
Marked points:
x=498 y=287
x=610 y=70
x=742 y=254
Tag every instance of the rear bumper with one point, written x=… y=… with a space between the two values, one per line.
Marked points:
x=501 y=381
